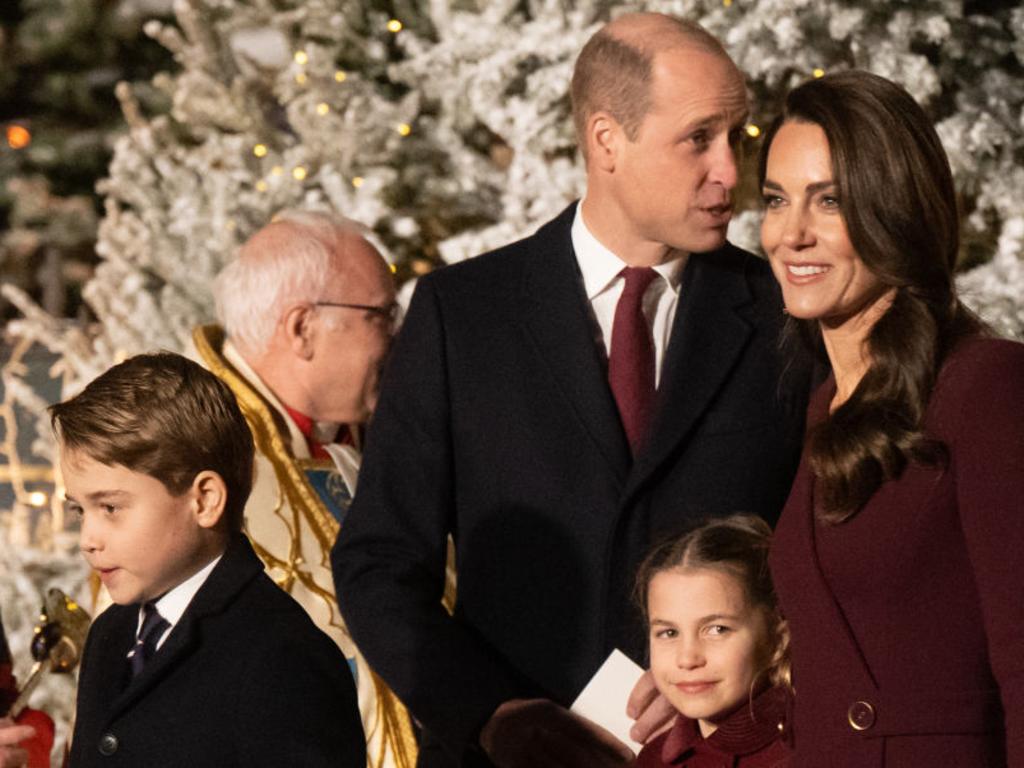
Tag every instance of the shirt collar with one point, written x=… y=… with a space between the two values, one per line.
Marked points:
x=751 y=727
x=173 y=604
x=600 y=266
x=317 y=432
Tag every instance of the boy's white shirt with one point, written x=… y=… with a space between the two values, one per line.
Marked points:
x=173 y=604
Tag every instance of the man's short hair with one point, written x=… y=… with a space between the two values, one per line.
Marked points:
x=613 y=71
x=287 y=261
x=164 y=416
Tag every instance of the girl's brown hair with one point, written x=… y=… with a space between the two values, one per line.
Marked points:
x=737 y=545
x=898 y=202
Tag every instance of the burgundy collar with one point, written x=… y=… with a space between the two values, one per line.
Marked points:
x=751 y=727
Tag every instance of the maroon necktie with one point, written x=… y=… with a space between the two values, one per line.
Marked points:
x=631 y=362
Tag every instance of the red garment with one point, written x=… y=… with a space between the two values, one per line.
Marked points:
x=906 y=620
x=316 y=448
x=40 y=745
x=751 y=737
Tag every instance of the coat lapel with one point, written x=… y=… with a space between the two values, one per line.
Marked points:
x=709 y=334
x=559 y=323
x=237 y=567
x=832 y=629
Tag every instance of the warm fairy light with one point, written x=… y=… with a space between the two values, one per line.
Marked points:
x=301 y=78
x=298 y=173
x=18 y=136
x=301 y=58
x=726 y=3
x=322 y=108
x=753 y=131
x=260 y=150
x=262 y=186
x=70 y=604
x=277 y=170
x=404 y=129
x=357 y=182
x=394 y=26
x=393 y=268
x=819 y=72
x=38 y=499
x=340 y=76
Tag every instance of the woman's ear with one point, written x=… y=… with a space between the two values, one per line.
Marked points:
x=210 y=494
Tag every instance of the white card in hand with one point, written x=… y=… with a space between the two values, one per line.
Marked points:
x=604 y=699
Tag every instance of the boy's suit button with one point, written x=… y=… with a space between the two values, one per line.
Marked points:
x=108 y=744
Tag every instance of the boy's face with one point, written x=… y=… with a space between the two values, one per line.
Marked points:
x=140 y=539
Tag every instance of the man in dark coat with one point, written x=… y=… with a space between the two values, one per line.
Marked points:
x=559 y=404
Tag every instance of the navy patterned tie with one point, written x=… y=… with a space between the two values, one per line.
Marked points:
x=153 y=627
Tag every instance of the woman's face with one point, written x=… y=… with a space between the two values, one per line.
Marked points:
x=804 y=233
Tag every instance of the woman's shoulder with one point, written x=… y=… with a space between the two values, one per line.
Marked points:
x=980 y=374
x=976 y=358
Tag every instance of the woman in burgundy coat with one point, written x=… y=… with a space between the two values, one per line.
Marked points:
x=896 y=559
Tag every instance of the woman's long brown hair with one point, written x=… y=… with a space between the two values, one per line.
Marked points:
x=898 y=202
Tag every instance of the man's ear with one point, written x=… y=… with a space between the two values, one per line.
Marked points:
x=604 y=138
x=210 y=496
x=297 y=323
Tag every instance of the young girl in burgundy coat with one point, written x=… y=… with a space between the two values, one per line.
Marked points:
x=718 y=648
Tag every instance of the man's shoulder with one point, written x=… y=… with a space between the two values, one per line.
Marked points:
x=508 y=261
x=734 y=259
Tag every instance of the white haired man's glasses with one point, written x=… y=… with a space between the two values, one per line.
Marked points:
x=387 y=312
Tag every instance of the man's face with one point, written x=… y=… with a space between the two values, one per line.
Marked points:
x=350 y=345
x=140 y=539
x=673 y=183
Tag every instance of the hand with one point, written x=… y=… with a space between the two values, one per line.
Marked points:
x=537 y=733
x=11 y=755
x=651 y=710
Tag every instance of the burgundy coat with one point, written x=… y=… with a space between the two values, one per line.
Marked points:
x=749 y=738
x=908 y=619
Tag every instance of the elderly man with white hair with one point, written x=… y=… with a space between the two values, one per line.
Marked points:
x=307 y=311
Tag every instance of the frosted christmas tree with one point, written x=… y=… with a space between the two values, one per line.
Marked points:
x=445 y=126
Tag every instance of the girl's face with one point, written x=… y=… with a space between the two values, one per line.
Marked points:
x=708 y=642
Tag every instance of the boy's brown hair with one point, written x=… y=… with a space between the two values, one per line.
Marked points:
x=164 y=416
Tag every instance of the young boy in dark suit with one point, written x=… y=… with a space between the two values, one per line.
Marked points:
x=203 y=660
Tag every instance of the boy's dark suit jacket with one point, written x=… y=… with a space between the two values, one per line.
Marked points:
x=244 y=679
x=496 y=423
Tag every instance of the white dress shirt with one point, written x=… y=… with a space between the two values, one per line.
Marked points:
x=600 y=268
x=173 y=604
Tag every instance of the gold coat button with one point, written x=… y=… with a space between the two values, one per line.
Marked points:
x=861 y=715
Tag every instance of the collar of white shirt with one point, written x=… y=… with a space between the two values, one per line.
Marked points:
x=173 y=604
x=600 y=267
